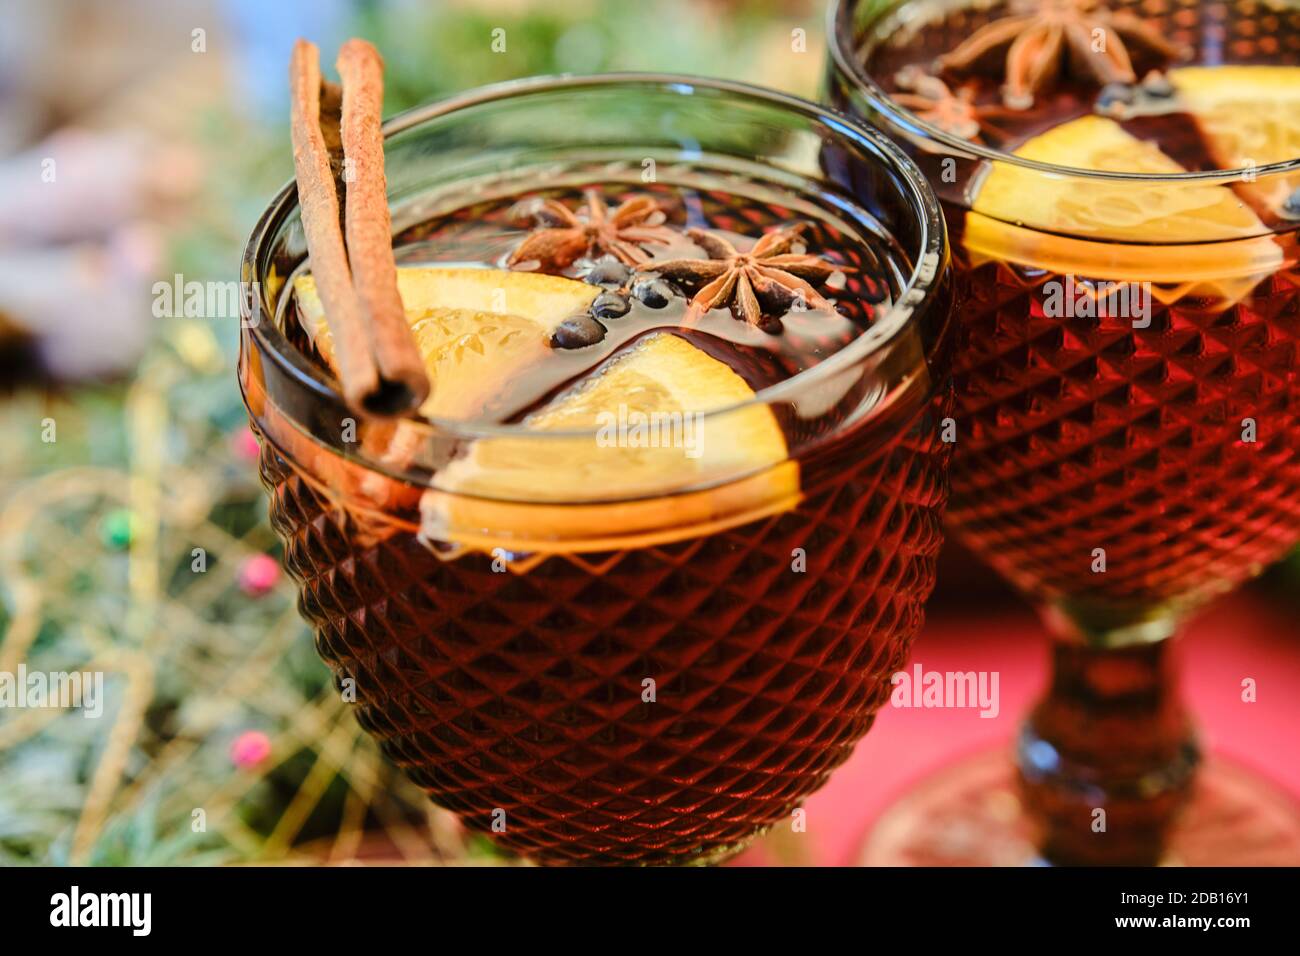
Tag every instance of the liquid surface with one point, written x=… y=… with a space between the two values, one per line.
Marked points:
x=1256 y=32
x=868 y=273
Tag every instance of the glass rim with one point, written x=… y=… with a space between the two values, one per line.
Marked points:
x=923 y=280
x=848 y=65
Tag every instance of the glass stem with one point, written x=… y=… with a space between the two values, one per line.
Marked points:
x=1107 y=757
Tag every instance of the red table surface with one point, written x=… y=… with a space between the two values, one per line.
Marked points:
x=1249 y=634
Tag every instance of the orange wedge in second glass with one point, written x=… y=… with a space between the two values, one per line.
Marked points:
x=1185 y=237
x=1249 y=117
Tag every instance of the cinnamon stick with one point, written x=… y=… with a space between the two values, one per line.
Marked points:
x=379 y=364
x=369 y=227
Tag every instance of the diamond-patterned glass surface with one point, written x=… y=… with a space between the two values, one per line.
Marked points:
x=523 y=692
x=1083 y=433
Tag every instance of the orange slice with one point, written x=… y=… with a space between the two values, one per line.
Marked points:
x=1184 y=238
x=476 y=328
x=1249 y=115
x=651 y=467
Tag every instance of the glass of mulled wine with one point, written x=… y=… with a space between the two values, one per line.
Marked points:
x=1120 y=181
x=633 y=582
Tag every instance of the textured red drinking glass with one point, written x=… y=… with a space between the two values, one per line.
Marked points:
x=501 y=658
x=1119 y=468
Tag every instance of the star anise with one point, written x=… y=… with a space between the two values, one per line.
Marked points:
x=563 y=237
x=933 y=101
x=761 y=284
x=1041 y=39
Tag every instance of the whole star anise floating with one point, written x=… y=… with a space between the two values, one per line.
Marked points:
x=933 y=101
x=566 y=238
x=1041 y=39
x=761 y=284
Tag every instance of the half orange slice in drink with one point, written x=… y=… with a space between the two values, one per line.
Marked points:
x=1250 y=117
x=1185 y=238
x=476 y=328
x=652 y=457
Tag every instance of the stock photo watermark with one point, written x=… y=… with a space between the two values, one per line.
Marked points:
x=133 y=911
x=1074 y=298
x=631 y=428
x=947 y=690
x=211 y=299
x=62 y=690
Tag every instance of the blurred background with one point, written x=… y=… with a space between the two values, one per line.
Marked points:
x=139 y=141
